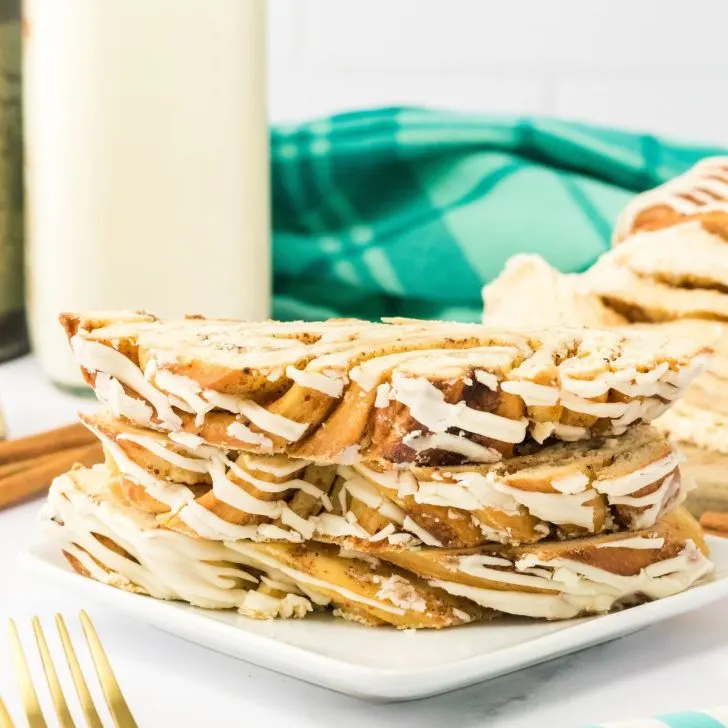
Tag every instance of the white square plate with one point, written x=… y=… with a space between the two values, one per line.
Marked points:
x=385 y=664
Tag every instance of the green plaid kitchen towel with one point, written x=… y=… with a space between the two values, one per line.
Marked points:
x=409 y=212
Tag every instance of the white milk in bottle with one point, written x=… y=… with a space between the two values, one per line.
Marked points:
x=146 y=161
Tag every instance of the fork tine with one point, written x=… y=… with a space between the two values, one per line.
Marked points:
x=59 y=700
x=25 y=682
x=89 y=710
x=112 y=692
x=5 y=720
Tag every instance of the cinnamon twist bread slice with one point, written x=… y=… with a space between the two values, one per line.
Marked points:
x=418 y=588
x=564 y=490
x=561 y=580
x=408 y=392
x=530 y=292
x=701 y=195
x=108 y=541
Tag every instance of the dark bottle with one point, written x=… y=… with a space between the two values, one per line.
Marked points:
x=13 y=334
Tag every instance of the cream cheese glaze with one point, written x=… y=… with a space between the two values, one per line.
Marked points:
x=573 y=501
x=169 y=565
x=473 y=490
x=427 y=405
x=164 y=564
x=207 y=524
x=601 y=361
x=570 y=588
x=86 y=522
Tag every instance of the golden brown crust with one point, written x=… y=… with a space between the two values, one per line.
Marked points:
x=676 y=528
x=433 y=608
x=319 y=385
x=446 y=523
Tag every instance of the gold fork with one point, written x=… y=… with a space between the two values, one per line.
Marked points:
x=114 y=699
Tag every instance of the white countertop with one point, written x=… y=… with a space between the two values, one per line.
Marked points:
x=677 y=665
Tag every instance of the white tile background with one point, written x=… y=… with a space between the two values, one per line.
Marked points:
x=655 y=65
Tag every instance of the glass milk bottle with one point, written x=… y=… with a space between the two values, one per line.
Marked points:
x=147 y=169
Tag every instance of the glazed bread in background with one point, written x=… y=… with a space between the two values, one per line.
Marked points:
x=427 y=393
x=659 y=276
x=529 y=292
x=561 y=490
x=670 y=259
x=106 y=540
x=701 y=194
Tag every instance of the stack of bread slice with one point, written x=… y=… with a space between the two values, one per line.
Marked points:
x=411 y=473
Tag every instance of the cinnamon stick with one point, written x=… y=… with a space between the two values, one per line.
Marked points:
x=35 y=446
x=19 y=465
x=715 y=523
x=38 y=476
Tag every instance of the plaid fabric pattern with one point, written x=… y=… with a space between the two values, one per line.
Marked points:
x=408 y=212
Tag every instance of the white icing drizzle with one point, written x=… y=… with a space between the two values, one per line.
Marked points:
x=540 y=431
x=634 y=542
x=316 y=381
x=279 y=465
x=288 y=429
x=572 y=587
x=558 y=508
x=425 y=536
x=652 y=502
x=187 y=439
x=570 y=484
x=484 y=489
x=383 y=398
x=202 y=401
x=487 y=378
x=209 y=525
x=173 y=495
x=206 y=523
x=183 y=387
x=270 y=487
x=302 y=578
x=359 y=555
x=427 y=405
x=258 y=605
x=638 y=479
x=227 y=492
x=243 y=433
x=452 y=443
x=170 y=565
x=569 y=433
x=400 y=592
x=370 y=373
x=155 y=446
x=605 y=360
x=532 y=393
x=167 y=565
x=111 y=393
x=598 y=409
x=96 y=357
